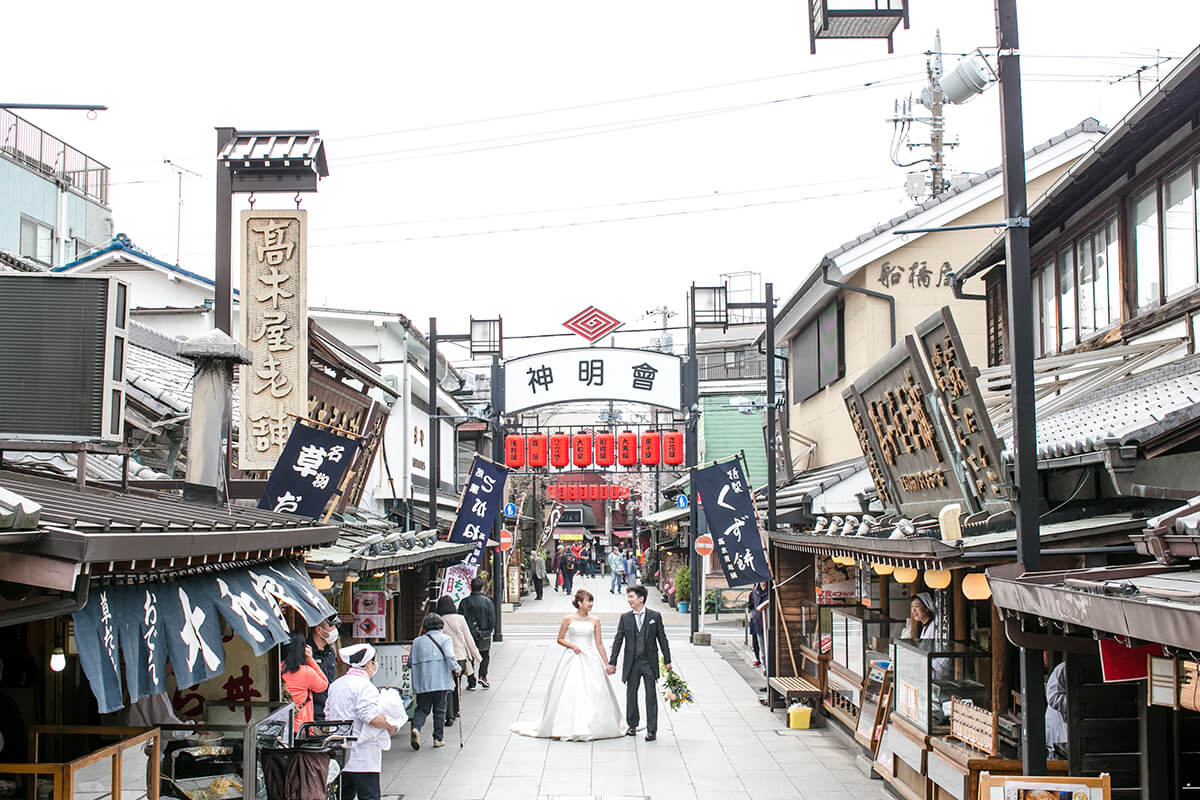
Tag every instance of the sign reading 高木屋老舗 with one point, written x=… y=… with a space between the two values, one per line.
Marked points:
x=274 y=387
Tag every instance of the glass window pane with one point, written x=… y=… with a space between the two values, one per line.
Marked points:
x=1085 y=286
x=1049 y=322
x=1179 y=231
x=1037 y=317
x=45 y=245
x=1145 y=248
x=1112 y=259
x=1066 y=296
x=28 y=239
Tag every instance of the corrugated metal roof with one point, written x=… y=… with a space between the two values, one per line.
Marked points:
x=264 y=148
x=805 y=485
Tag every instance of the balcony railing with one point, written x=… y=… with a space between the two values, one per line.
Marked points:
x=743 y=368
x=33 y=148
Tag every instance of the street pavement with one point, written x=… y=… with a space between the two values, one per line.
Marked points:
x=725 y=745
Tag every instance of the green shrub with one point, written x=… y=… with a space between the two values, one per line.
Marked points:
x=683 y=584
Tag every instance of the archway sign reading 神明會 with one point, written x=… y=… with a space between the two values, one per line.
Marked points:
x=593 y=374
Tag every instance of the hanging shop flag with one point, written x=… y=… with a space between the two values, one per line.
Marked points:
x=457 y=582
x=729 y=509
x=179 y=622
x=308 y=472
x=482 y=499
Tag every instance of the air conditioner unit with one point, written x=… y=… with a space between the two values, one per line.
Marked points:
x=62 y=357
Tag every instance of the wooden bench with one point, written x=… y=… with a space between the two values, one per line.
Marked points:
x=791 y=689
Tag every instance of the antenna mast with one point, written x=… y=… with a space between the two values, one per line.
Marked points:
x=179 y=210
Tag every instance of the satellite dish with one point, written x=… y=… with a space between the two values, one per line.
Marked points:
x=970 y=77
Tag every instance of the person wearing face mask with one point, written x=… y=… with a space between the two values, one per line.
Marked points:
x=322 y=638
x=354 y=697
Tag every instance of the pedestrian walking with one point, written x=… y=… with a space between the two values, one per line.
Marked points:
x=433 y=672
x=556 y=567
x=539 y=572
x=616 y=565
x=570 y=563
x=480 y=614
x=585 y=560
x=759 y=600
x=631 y=568
x=354 y=697
x=465 y=652
x=302 y=677
x=323 y=638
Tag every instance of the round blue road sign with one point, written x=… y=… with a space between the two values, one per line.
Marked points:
x=510 y=509
x=681 y=501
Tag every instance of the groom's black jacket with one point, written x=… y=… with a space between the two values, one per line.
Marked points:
x=655 y=636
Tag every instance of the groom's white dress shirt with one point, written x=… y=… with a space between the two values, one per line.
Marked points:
x=638 y=617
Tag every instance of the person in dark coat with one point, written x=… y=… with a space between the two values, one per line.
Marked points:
x=555 y=566
x=323 y=638
x=480 y=614
x=759 y=596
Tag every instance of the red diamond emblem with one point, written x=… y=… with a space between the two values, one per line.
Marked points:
x=592 y=324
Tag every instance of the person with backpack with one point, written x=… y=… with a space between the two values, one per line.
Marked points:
x=616 y=565
x=303 y=678
x=433 y=672
x=480 y=614
x=570 y=564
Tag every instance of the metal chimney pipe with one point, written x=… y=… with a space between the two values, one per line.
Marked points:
x=214 y=353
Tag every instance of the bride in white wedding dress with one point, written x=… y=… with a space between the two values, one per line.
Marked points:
x=580 y=703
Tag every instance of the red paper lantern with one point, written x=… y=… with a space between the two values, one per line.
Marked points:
x=514 y=452
x=560 y=450
x=537 y=450
x=672 y=447
x=627 y=449
x=581 y=450
x=605 y=450
x=651 y=448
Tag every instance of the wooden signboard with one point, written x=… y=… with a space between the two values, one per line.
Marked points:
x=971 y=439
x=1060 y=787
x=877 y=695
x=893 y=403
x=884 y=757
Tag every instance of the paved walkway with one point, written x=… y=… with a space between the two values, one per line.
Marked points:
x=726 y=745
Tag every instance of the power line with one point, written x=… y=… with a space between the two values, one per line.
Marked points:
x=614 y=101
x=582 y=223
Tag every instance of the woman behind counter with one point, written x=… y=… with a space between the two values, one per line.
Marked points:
x=303 y=677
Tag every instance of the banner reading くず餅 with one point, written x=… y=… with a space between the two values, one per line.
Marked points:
x=728 y=503
x=482 y=499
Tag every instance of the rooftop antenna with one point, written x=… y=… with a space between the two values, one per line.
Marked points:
x=664 y=343
x=179 y=170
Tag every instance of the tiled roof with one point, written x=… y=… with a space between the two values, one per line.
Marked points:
x=1136 y=409
x=12 y=262
x=804 y=486
x=366 y=544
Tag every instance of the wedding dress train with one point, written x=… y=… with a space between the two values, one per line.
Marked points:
x=580 y=704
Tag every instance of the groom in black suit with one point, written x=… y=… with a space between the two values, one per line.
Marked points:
x=644 y=630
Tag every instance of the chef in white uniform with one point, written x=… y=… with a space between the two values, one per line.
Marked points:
x=1056 y=709
x=354 y=697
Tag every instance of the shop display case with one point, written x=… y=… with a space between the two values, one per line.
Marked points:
x=84 y=761
x=815 y=624
x=860 y=636
x=220 y=756
x=930 y=673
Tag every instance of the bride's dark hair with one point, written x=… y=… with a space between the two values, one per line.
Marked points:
x=581 y=595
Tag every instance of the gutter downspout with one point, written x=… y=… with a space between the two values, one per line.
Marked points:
x=956 y=285
x=891 y=301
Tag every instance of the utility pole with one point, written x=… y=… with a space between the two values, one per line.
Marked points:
x=1020 y=332
x=937 y=123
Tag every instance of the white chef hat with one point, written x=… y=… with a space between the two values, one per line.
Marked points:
x=357 y=655
x=927 y=600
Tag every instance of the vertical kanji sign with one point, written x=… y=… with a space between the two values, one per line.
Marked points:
x=728 y=503
x=308 y=472
x=274 y=325
x=481 y=501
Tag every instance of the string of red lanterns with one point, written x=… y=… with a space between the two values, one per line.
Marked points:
x=559 y=450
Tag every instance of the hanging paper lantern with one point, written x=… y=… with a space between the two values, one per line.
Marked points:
x=937 y=578
x=573 y=492
x=651 y=448
x=975 y=586
x=672 y=448
x=514 y=452
x=606 y=446
x=536 y=453
x=882 y=569
x=627 y=449
x=904 y=574
x=581 y=450
x=560 y=450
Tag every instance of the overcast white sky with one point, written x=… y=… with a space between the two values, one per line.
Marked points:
x=403 y=223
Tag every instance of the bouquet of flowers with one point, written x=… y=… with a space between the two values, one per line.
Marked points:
x=675 y=688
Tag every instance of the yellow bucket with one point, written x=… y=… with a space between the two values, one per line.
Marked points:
x=799 y=718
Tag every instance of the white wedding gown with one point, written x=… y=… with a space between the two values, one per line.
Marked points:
x=580 y=703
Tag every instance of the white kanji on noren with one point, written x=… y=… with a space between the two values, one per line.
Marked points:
x=744 y=560
x=310 y=460
x=287 y=503
x=193 y=620
x=735 y=529
x=247 y=608
x=472 y=531
x=479 y=507
x=335 y=453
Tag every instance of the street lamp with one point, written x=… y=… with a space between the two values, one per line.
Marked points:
x=710 y=308
x=485 y=338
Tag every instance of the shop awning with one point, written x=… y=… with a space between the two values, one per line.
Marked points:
x=623 y=534
x=147 y=625
x=664 y=516
x=367 y=545
x=1142 y=603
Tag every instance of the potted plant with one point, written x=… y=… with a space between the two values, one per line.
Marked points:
x=683 y=588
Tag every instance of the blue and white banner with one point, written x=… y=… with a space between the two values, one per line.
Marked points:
x=481 y=501
x=308 y=472
x=728 y=503
x=148 y=625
